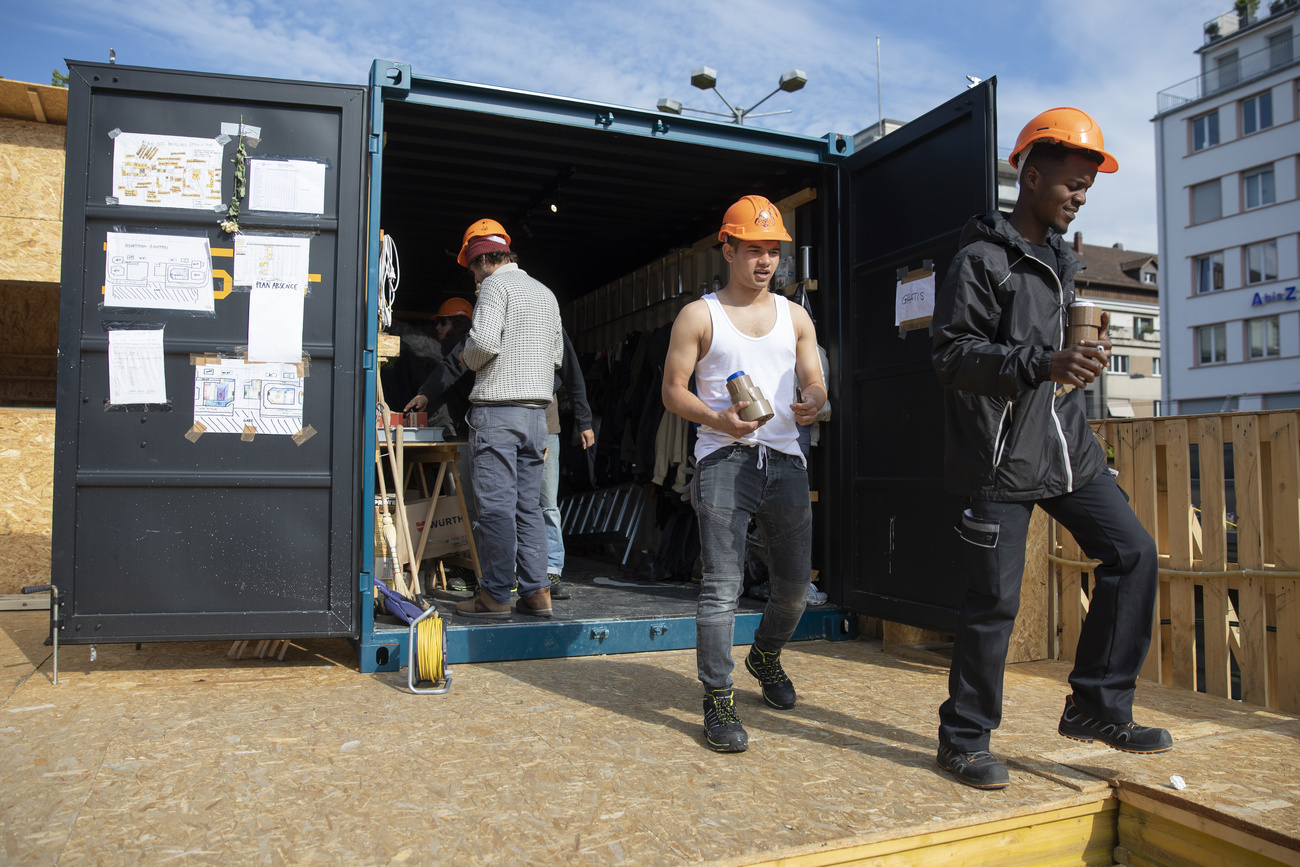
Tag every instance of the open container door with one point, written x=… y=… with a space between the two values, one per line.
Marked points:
x=636 y=186
x=160 y=536
x=904 y=200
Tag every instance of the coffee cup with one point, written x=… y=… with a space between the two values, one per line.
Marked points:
x=1085 y=323
x=740 y=387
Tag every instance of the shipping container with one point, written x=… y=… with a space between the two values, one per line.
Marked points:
x=172 y=522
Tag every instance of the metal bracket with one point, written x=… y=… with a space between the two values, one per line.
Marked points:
x=661 y=127
x=604 y=118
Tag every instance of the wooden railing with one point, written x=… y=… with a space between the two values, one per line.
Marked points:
x=1248 y=641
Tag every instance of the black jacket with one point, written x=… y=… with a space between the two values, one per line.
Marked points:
x=998 y=317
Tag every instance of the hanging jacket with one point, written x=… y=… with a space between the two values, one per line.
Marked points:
x=999 y=316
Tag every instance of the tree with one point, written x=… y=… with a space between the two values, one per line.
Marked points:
x=57 y=79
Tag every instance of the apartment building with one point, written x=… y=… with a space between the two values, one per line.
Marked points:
x=1227 y=160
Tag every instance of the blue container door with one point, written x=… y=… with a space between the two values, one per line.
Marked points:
x=199 y=495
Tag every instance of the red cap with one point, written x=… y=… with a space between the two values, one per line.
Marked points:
x=481 y=244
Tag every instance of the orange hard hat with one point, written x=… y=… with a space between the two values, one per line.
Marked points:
x=455 y=307
x=1071 y=127
x=753 y=218
x=477 y=229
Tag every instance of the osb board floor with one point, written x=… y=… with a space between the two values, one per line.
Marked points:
x=175 y=753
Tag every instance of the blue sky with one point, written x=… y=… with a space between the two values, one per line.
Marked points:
x=1106 y=56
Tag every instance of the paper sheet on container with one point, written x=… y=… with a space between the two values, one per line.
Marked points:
x=275 y=321
x=158 y=272
x=914 y=299
x=275 y=257
x=230 y=395
x=135 y=367
x=166 y=171
x=292 y=186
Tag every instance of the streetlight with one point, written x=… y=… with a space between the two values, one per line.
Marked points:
x=706 y=78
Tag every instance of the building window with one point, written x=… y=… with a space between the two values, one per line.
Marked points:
x=1143 y=325
x=1207 y=201
x=1261 y=262
x=1155 y=365
x=1205 y=131
x=1119 y=364
x=1209 y=273
x=1213 y=342
x=1257 y=112
x=1228 y=69
x=1265 y=337
x=1280 y=50
x=1259 y=187
x=1148 y=277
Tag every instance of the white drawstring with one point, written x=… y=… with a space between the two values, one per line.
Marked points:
x=762 y=456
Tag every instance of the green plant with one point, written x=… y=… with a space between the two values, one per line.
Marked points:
x=230 y=225
x=57 y=79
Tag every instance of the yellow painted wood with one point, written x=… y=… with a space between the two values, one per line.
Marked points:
x=1084 y=835
x=1182 y=591
x=1166 y=835
x=1214 y=540
x=1283 y=434
x=1251 y=612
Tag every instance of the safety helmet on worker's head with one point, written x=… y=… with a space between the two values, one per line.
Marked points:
x=455 y=307
x=753 y=218
x=1071 y=127
x=494 y=238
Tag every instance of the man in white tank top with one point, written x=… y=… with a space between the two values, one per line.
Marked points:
x=744 y=468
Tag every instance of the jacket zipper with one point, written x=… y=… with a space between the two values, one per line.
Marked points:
x=1000 y=439
x=1051 y=394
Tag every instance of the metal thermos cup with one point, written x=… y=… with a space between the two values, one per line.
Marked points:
x=1085 y=323
x=740 y=387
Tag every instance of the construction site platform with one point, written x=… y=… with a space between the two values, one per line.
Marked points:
x=175 y=754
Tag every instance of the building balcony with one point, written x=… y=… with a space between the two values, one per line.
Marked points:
x=1231 y=74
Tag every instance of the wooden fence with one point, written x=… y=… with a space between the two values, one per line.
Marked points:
x=1175 y=473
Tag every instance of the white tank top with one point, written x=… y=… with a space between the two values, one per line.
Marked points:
x=769 y=361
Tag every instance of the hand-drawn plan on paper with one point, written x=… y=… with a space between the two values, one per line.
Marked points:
x=166 y=171
x=160 y=272
x=233 y=394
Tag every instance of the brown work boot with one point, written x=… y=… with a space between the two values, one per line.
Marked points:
x=483 y=605
x=538 y=605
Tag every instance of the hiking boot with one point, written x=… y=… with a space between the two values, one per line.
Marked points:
x=979 y=770
x=538 y=605
x=558 y=590
x=778 y=691
x=1127 y=737
x=722 y=728
x=484 y=606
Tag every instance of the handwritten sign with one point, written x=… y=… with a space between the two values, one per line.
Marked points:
x=914 y=299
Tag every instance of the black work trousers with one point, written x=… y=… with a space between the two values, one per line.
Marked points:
x=1116 y=633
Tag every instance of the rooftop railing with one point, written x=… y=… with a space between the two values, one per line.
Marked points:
x=1229 y=74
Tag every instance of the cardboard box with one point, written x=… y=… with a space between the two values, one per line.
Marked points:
x=447 y=535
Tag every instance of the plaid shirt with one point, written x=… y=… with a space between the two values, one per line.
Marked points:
x=514 y=345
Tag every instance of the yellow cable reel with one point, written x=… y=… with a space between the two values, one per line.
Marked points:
x=427 y=648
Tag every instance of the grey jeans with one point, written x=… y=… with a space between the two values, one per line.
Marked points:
x=506 y=445
x=730 y=487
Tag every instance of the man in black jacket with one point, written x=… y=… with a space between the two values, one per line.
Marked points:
x=1016 y=437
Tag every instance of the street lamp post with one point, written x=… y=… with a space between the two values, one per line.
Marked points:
x=706 y=78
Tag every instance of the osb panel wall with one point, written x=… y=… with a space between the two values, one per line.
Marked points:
x=26 y=496
x=29 y=343
x=31 y=200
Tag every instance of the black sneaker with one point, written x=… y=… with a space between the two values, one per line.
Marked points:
x=461 y=579
x=778 y=691
x=558 y=590
x=979 y=770
x=1128 y=737
x=722 y=728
